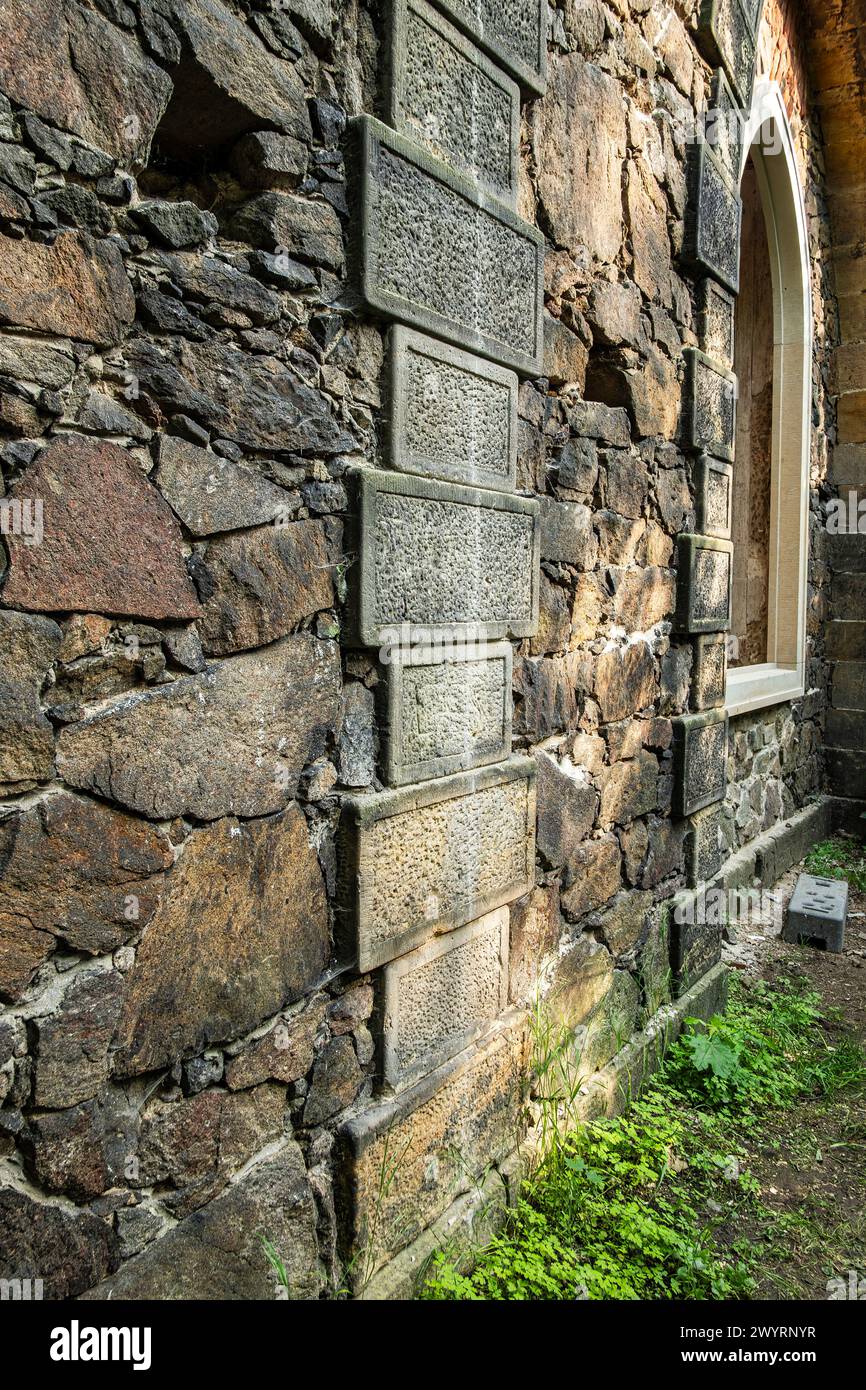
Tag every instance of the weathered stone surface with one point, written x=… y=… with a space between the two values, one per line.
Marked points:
x=435 y=856
x=70 y=65
x=514 y=34
x=110 y=542
x=453 y=415
x=65 y=1150
x=642 y=597
x=614 y=312
x=704 y=851
x=595 y=877
x=48 y=363
x=580 y=142
x=714 y=483
x=567 y=534
x=228 y=84
x=241 y=930
x=715 y=321
x=624 y=922
x=695 y=946
x=76 y=287
x=258 y=586
x=646 y=208
x=725 y=35
x=445 y=95
x=439 y=998
x=216 y=1253
x=436 y=553
x=709 y=672
x=189 y=1148
x=567 y=806
x=284 y=1053
x=444 y=716
x=625 y=680
x=700 y=761
x=357 y=752
x=28 y=646
x=485 y=293
x=231 y=741
x=72 y=1043
x=565 y=355
x=447 y=1129
x=68 y=1251
x=712 y=239
x=703 y=584
x=709 y=399
x=582 y=980
x=265 y=159
x=210 y=493
x=724 y=132
x=628 y=789
x=546 y=693
x=294 y=225
x=175 y=224
x=535 y=928
x=78 y=871
x=666 y=856
x=335 y=1082
x=249 y=398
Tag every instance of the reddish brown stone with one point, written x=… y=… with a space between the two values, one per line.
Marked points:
x=77 y=287
x=111 y=544
x=72 y=1042
x=284 y=1053
x=82 y=74
x=28 y=647
x=76 y=870
x=69 y=1251
x=595 y=877
x=624 y=680
x=241 y=931
x=259 y=585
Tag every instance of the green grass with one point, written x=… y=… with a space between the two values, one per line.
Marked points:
x=843 y=856
x=648 y=1205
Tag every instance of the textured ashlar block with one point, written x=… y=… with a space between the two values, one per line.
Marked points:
x=818 y=911
x=447 y=96
x=704 y=846
x=441 y=255
x=700 y=760
x=452 y=415
x=432 y=1142
x=726 y=35
x=709 y=671
x=440 y=556
x=513 y=32
x=704 y=580
x=695 y=943
x=434 y=856
x=725 y=126
x=709 y=405
x=715 y=324
x=444 y=713
x=714 y=482
x=439 y=998
x=712 y=240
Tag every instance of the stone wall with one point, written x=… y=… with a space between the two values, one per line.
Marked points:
x=274 y=904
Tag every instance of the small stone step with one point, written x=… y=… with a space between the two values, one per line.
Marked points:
x=817 y=911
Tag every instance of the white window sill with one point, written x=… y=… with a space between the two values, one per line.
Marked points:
x=756 y=687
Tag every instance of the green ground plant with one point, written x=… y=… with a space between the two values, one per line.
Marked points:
x=842 y=856
x=643 y=1206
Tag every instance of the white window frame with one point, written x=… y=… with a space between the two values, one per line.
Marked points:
x=782 y=677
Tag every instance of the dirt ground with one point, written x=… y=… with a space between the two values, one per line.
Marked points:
x=810 y=1161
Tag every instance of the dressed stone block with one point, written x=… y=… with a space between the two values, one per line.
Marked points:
x=452 y=415
x=441 y=255
x=431 y=857
x=700 y=760
x=709 y=405
x=443 y=558
x=704 y=578
x=447 y=96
